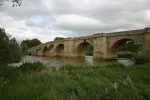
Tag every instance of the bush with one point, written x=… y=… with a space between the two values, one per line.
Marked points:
x=143 y=56
x=8 y=73
x=125 y=54
x=32 y=67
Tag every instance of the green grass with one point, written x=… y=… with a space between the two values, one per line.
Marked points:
x=109 y=82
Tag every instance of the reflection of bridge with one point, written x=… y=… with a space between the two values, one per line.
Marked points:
x=105 y=45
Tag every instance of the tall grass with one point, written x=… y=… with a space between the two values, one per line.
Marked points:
x=143 y=56
x=110 y=82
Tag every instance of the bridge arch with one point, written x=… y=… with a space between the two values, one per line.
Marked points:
x=80 y=49
x=44 y=51
x=114 y=48
x=50 y=49
x=30 y=53
x=59 y=50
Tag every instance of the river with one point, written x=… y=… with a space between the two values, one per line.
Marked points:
x=58 y=61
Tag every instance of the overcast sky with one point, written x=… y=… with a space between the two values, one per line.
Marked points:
x=47 y=19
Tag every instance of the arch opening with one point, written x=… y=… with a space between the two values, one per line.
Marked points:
x=30 y=53
x=124 y=48
x=37 y=51
x=44 y=51
x=60 y=50
x=84 y=49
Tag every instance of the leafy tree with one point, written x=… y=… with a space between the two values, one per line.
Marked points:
x=16 y=53
x=9 y=48
x=25 y=44
x=15 y=2
x=58 y=38
x=132 y=46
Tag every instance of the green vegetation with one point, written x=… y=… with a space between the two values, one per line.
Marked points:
x=125 y=54
x=143 y=56
x=132 y=46
x=59 y=38
x=10 y=50
x=32 y=67
x=26 y=44
x=89 y=50
x=128 y=49
x=110 y=82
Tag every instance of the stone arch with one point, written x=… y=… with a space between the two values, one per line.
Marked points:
x=59 y=50
x=30 y=53
x=44 y=51
x=50 y=49
x=114 y=48
x=36 y=51
x=80 y=49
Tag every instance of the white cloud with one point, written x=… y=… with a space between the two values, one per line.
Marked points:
x=47 y=19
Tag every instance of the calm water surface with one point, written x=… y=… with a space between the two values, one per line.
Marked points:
x=57 y=61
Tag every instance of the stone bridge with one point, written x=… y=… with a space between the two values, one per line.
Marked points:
x=105 y=44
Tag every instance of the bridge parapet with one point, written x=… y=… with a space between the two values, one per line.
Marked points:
x=99 y=34
x=83 y=37
x=132 y=32
x=147 y=29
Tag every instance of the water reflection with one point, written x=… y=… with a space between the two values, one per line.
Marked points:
x=58 y=61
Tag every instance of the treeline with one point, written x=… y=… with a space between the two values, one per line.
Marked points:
x=26 y=44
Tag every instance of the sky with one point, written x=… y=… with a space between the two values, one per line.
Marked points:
x=47 y=19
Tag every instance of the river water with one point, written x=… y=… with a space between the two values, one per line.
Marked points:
x=58 y=61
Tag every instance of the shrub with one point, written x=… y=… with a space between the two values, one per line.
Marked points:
x=32 y=67
x=125 y=54
x=8 y=73
x=143 y=56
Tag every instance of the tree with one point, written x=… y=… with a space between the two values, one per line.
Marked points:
x=10 y=50
x=58 y=38
x=132 y=46
x=26 y=44
x=15 y=2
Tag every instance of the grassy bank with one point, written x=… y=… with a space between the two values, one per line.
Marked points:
x=110 y=82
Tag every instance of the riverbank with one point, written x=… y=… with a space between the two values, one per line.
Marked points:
x=108 y=82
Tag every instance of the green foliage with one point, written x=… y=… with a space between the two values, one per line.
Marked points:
x=58 y=38
x=143 y=56
x=89 y=50
x=8 y=73
x=29 y=67
x=125 y=54
x=25 y=44
x=111 y=82
x=132 y=46
x=9 y=48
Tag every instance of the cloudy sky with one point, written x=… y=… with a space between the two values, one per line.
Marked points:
x=47 y=19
